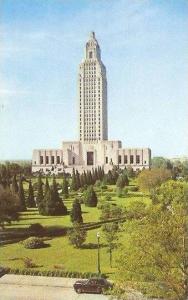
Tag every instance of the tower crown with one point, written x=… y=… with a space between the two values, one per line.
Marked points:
x=92 y=50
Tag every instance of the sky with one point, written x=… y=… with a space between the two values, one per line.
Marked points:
x=144 y=47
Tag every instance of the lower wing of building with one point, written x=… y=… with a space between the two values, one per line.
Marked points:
x=85 y=156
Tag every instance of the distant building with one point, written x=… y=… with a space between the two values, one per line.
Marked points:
x=93 y=148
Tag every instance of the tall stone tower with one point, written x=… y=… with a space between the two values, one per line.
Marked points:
x=92 y=89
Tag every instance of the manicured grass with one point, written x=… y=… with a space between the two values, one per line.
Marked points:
x=60 y=252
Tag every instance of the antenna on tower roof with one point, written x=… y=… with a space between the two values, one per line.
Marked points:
x=92 y=35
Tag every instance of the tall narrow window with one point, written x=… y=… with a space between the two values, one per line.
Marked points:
x=47 y=160
x=52 y=159
x=73 y=160
x=41 y=160
x=90 y=54
x=125 y=159
x=131 y=159
x=58 y=159
x=119 y=159
x=106 y=159
x=138 y=159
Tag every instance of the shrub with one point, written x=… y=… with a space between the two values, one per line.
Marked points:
x=125 y=191
x=33 y=243
x=104 y=187
x=108 y=197
x=37 y=227
x=28 y=263
x=133 y=188
x=59 y=267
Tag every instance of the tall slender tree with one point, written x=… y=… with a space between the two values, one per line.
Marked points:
x=14 y=185
x=78 y=179
x=21 y=196
x=74 y=182
x=65 y=187
x=76 y=212
x=30 y=199
x=40 y=195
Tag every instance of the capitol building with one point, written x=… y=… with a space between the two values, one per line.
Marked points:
x=93 y=148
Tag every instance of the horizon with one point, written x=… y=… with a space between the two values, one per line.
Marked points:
x=145 y=54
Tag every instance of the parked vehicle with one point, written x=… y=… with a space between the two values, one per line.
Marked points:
x=92 y=285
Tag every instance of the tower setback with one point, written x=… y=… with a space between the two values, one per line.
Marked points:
x=92 y=91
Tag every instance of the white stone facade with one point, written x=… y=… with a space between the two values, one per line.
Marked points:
x=93 y=148
x=92 y=88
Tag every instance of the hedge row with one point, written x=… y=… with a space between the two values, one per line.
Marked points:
x=56 y=273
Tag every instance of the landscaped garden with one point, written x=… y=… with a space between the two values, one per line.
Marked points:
x=60 y=254
x=58 y=226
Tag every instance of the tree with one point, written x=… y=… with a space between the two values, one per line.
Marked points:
x=130 y=172
x=161 y=162
x=78 y=183
x=74 y=186
x=110 y=231
x=21 y=196
x=150 y=179
x=65 y=187
x=122 y=181
x=53 y=204
x=30 y=199
x=90 y=197
x=76 y=212
x=77 y=235
x=109 y=211
x=9 y=206
x=40 y=196
x=154 y=259
x=14 y=185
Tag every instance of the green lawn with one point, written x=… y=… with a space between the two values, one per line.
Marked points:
x=60 y=252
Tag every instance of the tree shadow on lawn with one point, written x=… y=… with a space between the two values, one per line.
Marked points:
x=40 y=218
x=92 y=246
x=134 y=195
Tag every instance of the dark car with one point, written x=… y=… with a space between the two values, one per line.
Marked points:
x=92 y=285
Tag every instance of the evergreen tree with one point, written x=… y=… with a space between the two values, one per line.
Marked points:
x=14 y=185
x=85 y=178
x=82 y=181
x=65 y=189
x=110 y=178
x=122 y=181
x=40 y=196
x=53 y=204
x=30 y=200
x=126 y=179
x=76 y=212
x=74 y=183
x=90 y=197
x=21 y=196
x=78 y=184
x=94 y=179
x=9 y=206
x=96 y=174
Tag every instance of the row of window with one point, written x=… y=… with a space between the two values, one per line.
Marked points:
x=49 y=160
x=124 y=160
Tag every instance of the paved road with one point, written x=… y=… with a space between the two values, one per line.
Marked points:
x=14 y=287
x=16 y=292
